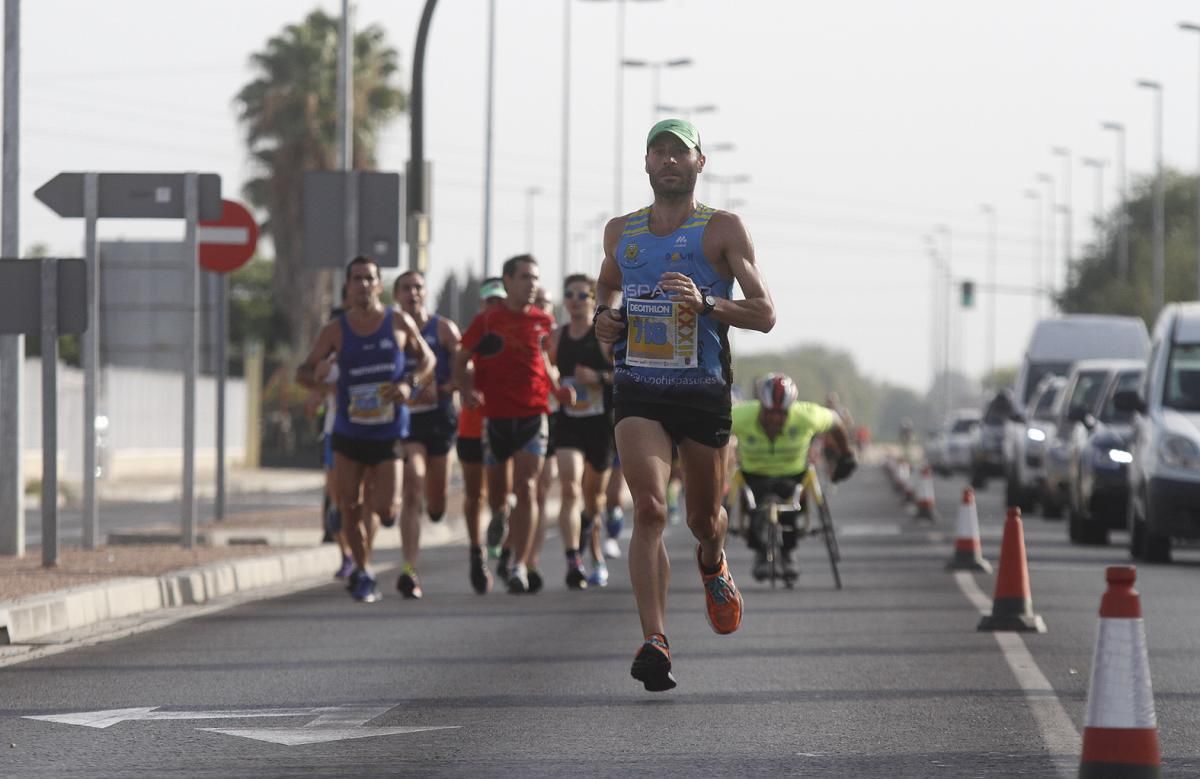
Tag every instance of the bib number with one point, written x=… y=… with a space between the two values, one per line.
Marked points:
x=367 y=406
x=589 y=399
x=662 y=334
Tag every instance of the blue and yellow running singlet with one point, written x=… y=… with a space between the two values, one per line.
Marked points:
x=670 y=353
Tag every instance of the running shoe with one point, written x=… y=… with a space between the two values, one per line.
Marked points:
x=495 y=529
x=535 y=581
x=652 y=665
x=503 y=565
x=366 y=590
x=722 y=600
x=518 y=580
x=346 y=569
x=599 y=575
x=481 y=577
x=576 y=576
x=615 y=521
x=612 y=550
x=409 y=584
x=352 y=579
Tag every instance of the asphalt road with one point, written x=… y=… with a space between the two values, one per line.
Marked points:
x=886 y=678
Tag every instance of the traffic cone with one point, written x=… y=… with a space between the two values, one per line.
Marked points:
x=1120 y=733
x=1012 y=605
x=968 y=552
x=924 y=496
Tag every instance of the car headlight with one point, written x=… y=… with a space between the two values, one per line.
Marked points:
x=1177 y=451
x=1034 y=434
x=1120 y=456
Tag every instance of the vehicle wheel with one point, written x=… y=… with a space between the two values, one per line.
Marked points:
x=1051 y=508
x=1143 y=545
x=1012 y=492
x=1083 y=532
x=1075 y=527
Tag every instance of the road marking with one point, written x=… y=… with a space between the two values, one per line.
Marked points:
x=1058 y=732
x=332 y=723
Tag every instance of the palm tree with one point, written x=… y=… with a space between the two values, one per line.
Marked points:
x=289 y=113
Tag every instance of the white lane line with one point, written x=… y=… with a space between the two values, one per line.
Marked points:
x=1058 y=732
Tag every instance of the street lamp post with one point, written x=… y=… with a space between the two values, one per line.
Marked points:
x=487 y=140
x=1122 y=211
x=948 y=291
x=1068 y=212
x=1158 y=273
x=1196 y=28
x=1036 y=197
x=530 y=194
x=1097 y=165
x=656 y=67
x=564 y=195
x=990 y=212
x=1048 y=236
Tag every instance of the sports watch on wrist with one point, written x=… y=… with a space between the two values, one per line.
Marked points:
x=599 y=310
x=710 y=303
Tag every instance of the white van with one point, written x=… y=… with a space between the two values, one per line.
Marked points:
x=1056 y=344
x=1164 y=477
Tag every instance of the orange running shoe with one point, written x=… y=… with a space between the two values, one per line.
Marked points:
x=722 y=599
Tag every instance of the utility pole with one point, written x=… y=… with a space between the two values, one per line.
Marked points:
x=12 y=347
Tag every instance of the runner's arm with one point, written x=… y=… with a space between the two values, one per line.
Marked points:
x=408 y=332
x=756 y=311
x=609 y=326
x=328 y=342
x=451 y=340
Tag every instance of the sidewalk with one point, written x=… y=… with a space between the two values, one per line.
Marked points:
x=146 y=570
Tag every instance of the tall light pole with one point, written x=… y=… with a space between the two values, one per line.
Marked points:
x=530 y=194
x=12 y=347
x=989 y=211
x=487 y=139
x=656 y=67
x=1048 y=233
x=1068 y=211
x=1196 y=28
x=1097 y=165
x=564 y=196
x=1123 y=210
x=1158 y=273
x=948 y=295
x=1036 y=197
x=935 y=356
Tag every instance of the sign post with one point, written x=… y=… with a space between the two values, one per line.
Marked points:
x=225 y=245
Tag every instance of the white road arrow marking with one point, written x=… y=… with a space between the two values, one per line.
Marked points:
x=332 y=723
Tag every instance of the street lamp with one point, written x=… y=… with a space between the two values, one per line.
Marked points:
x=686 y=111
x=1196 y=28
x=944 y=230
x=726 y=183
x=1036 y=197
x=1048 y=234
x=656 y=67
x=1068 y=213
x=1098 y=166
x=530 y=194
x=1158 y=272
x=1122 y=213
x=990 y=212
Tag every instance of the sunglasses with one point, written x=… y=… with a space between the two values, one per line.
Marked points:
x=569 y=295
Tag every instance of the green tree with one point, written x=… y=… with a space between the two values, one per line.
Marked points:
x=289 y=114
x=1096 y=286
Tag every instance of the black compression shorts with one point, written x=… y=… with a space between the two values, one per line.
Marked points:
x=590 y=435
x=704 y=427
x=367 y=451
x=435 y=429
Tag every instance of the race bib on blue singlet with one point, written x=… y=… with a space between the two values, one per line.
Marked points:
x=367 y=406
x=662 y=334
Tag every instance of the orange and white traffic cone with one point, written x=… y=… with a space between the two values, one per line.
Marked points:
x=968 y=551
x=925 y=497
x=1012 y=605
x=1120 y=733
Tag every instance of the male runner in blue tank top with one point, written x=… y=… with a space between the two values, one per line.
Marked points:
x=432 y=425
x=674 y=263
x=372 y=344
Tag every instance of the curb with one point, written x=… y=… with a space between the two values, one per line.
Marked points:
x=41 y=615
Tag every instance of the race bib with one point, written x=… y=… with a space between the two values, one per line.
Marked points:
x=662 y=334
x=367 y=406
x=589 y=399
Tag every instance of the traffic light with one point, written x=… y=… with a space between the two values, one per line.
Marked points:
x=968 y=294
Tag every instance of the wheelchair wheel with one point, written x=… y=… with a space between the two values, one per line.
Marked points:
x=774 y=545
x=827 y=532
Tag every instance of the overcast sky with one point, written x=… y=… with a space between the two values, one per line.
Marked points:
x=861 y=126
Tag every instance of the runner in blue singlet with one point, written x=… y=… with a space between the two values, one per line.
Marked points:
x=674 y=264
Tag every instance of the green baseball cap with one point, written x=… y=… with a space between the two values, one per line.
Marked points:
x=680 y=128
x=492 y=288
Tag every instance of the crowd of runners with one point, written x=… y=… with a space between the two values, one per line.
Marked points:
x=635 y=388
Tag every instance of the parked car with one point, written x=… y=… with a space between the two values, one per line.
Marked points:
x=1054 y=346
x=1082 y=395
x=1164 y=504
x=987 y=450
x=957 y=439
x=1098 y=477
x=1039 y=429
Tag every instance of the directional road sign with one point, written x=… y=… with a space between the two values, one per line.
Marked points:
x=132 y=195
x=227 y=243
x=21 y=297
x=379 y=220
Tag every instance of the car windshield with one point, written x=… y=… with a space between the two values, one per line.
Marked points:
x=1126 y=380
x=1045 y=403
x=1087 y=390
x=1038 y=370
x=964 y=425
x=1182 y=390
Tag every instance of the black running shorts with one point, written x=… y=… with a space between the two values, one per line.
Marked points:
x=435 y=429
x=368 y=451
x=590 y=435
x=708 y=428
x=502 y=438
x=470 y=450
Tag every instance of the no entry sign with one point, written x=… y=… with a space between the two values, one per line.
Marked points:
x=227 y=243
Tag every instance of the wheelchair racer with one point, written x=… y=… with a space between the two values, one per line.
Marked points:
x=773 y=434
